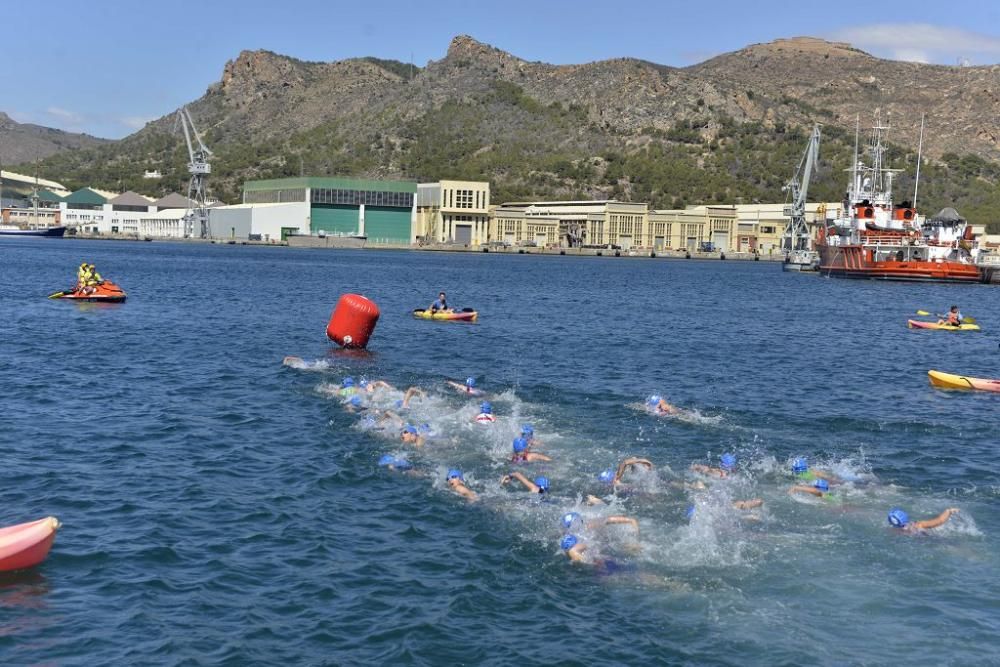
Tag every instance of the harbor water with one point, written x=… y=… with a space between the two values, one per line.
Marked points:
x=221 y=507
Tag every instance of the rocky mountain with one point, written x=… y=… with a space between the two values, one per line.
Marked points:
x=729 y=129
x=24 y=142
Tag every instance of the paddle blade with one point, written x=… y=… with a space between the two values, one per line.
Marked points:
x=56 y=295
x=922 y=312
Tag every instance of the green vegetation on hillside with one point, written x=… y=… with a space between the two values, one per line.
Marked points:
x=528 y=150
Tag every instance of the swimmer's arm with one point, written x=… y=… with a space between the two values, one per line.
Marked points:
x=379 y=384
x=576 y=552
x=410 y=393
x=528 y=484
x=390 y=416
x=628 y=463
x=707 y=470
x=535 y=456
x=806 y=489
x=619 y=519
x=666 y=407
x=939 y=520
x=466 y=492
x=748 y=504
x=593 y=500
x=828 y=476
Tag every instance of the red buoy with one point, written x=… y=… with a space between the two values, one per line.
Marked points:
x=352 y=321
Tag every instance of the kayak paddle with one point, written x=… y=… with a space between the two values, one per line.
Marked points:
x=922 y=312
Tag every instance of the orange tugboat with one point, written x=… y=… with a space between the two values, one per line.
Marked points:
x=876 y=239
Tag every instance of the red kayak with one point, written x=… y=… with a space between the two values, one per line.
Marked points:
x=105 y=292
x=26 y=544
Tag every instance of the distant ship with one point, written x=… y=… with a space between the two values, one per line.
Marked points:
x=876 y=239
x=14 y=230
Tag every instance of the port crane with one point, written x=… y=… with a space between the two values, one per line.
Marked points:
x=797 y=236
x=199 y=168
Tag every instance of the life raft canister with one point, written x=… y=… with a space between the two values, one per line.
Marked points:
x=353 y=321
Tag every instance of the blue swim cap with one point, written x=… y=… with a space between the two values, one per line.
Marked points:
x=689 y=512
x=403 y=464
x=898 y=517
x=470 y=382
x=399 y=402
x=347 y=382
x=527 y=430
x=424 y=428
x=454 y=473
x=654 y=400
x=606 y=476
x=728 y=461
x=821 y=484
x=486 y=408
x=568 y=518
x=387 y=460
x=799 y=465
x=568 y=542
x=355 y=401
x=542 y=483
x=363 y=382
x=409 y=428
x=520 y=444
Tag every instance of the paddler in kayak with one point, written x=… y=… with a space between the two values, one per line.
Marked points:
x=900 y=519
x=440 y=304
x=82 y=275
x=953 y=318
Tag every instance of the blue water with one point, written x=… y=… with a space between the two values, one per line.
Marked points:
x=220 y=507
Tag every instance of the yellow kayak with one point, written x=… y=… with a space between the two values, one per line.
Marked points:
x=918 y=324
x=949 y=381
x=464 y=315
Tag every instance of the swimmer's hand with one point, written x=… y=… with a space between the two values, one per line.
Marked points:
x=504 y=480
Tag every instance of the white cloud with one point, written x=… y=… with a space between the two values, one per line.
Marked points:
x=134 y=122
x=922 y=42
x=64 y=115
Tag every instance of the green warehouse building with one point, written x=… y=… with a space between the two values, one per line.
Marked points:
x=383 y=211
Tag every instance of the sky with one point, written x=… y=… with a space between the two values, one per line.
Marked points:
x=106 y=67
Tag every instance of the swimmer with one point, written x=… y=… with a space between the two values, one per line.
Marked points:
x=540 y=485
x=347 y=387
x=468 y=388
x=411 y=436
x=726 y=464
x=391 y=462
x=801 y=469
x=528 y=433
x=354 y=404
x=900 y=519
x=573 y=547
x=485 y=415
x=457 y=483
x=660 y=407
x=410 y=393
x=371 y=386
x=522 y=455
x=570 y=519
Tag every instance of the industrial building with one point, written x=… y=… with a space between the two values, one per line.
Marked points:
x=382 y=211
x=455 y=212
x=572 y=224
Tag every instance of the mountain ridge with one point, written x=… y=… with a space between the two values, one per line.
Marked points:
x=728 y=129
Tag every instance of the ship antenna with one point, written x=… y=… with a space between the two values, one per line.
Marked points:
x=854 y=166
x=920 y=148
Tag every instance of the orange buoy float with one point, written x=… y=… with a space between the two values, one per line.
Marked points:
x=353 y=321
